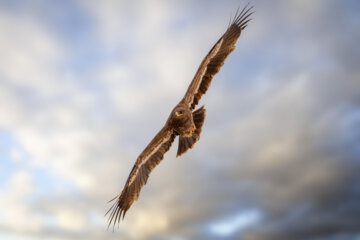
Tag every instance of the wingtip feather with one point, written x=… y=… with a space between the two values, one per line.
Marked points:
x=241 y=19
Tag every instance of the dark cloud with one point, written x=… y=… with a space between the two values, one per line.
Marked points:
x=295 y=153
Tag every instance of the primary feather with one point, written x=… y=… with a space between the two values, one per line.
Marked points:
x=215 y=59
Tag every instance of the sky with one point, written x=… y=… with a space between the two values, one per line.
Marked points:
x=85 y=85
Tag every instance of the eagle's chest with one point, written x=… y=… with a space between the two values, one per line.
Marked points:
x=184 y=127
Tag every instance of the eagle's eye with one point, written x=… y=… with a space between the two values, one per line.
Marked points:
x=179 y=113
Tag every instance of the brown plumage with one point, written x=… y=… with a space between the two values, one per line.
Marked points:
x=183 y=121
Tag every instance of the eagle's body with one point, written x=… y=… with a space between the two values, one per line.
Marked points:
x=183 y=120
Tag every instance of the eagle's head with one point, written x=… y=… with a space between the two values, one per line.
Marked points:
x=181 y=120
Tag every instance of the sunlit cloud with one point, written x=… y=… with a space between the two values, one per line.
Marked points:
x=237 y=223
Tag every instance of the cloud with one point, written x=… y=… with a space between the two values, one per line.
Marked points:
x=230 y=226
x=14 y=197
x=81 y=100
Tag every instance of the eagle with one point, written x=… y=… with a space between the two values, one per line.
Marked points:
x=183 y=121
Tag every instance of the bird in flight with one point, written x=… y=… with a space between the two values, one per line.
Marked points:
x=183 y=120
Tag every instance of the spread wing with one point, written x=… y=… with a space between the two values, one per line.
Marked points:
x=216 y=57
x=146 y=162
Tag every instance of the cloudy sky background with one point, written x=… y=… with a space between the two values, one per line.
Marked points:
x=85 y=85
